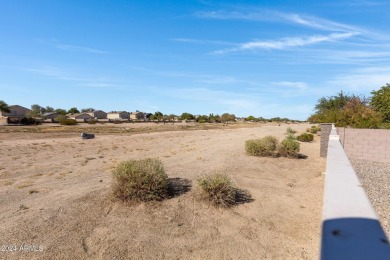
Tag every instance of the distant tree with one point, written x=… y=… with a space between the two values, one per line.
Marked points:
x=4 y=107
x=226 y=117
x=333 y=103
x=36 y=111
x=60 y=118
x=49 y=109
x=73 y=110
x=171 y=117
x=217 y=118
x=260 y=119
x=358 y=115
x=380 y=101
x=60 y=111
x=346 y=110
x=275 y=119
x=187 y=116
x=90 y=109
x=250 y=118
x=202 y=119
x=157 y=116
x=211 y=118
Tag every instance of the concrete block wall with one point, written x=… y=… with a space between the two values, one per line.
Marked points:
x=350 y=229
x=325 y=132
x=367 y=144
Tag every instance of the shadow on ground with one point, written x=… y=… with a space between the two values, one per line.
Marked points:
x=243 y=196
x=178 y=186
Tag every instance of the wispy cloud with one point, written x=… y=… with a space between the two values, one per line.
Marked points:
x=68 y=47
x=209 y=79
x=291 y=85
x=277 y=16
x=362 y=80
x=63 y=75
x=318 y=23
x=288 y=42
x=197 y=41
x=359 y=3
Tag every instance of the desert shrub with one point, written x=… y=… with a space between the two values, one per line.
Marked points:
x=140 y=180
x=289 y=148
x=291 y=136
x=314 y=129
x=305 y=137
x=290 y=131
x=202 y=121
x=68 y=121
x=265 y=146
x=29 y=121
x=384 y=126
x=218 y=189
x=92 y=122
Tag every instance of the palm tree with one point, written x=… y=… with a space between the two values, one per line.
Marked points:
x=4 y=107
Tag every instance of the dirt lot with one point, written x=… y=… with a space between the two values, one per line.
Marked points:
x=55 y=195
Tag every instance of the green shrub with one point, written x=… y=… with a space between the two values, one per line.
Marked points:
x=60 y=118
x=305 y=137
x=314 y=129
x=291 y=136
x=290 y=131
x=384 y=126
x=92 y=122
x=261 y=147
x=140 y=180
x=68 y=121
x=217 y=189
x=289 y=148
x=29 y=121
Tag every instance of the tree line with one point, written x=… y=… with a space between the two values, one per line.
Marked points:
x=355 y=111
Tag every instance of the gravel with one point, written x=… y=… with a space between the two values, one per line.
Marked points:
x=375 y=178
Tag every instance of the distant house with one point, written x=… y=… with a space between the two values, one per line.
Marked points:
x=14 y=116
x=147 y=116
x=97 y=114
x=137 y=115
x=80 y=117
x=50 y=116
x=118 y=115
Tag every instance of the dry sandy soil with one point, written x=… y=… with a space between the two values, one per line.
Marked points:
x=55 y=194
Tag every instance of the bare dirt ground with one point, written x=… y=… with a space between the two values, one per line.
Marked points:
x=55 y=194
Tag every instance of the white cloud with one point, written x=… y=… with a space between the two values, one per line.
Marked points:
x=63 y=75
x=288 y=42
x=318 y=23
x=362 y=80
x=277 y=16
x=196 y=41
x=68 y=47
x=291 y=85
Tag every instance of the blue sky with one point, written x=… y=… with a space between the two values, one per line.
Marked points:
x=262 y=58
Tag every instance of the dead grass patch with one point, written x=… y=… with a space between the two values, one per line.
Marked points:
x=140 y=180
x=24 y=185
x=218 y=190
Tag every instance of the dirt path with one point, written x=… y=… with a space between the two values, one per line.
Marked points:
x=54 y=193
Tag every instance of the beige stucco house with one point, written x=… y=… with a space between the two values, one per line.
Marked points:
x=137 y=115
x=15 y=115
x=80 y=117
x=97 y=114
x=50 y=116
x=118 y=115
